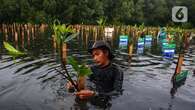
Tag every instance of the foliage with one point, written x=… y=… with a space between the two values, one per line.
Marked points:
x=141 y=27
x=101 y=21
x=63 y=33
x=81 y=69
x=151 y=12
x=12 y=51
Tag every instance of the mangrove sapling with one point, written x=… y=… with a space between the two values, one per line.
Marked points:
x=16 y=53
x=68 y=77
x=82 y=71
x=63 y=34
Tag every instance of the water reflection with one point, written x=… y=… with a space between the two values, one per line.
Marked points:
x=175 y=87
x=34 y=82
x=173 y=91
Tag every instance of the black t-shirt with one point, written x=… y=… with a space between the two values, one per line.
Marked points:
x=107 y=79
x=106 y=82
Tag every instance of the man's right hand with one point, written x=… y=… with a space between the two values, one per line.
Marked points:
x=85 y=94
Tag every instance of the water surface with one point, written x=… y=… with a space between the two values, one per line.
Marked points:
x=32 y=83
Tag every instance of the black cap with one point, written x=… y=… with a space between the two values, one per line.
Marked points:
x=102 y=44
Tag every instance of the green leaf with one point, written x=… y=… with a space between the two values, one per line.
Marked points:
x=101 y=21
x=73 y=62
x=12 y=51
x=84 y=71
x=72 y=36
x=62 y=32
x=81 y=69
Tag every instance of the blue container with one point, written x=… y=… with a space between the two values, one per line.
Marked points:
x=140 y=50
x=140 y=46
x=168 y=50
x=148 y=40
x=123 y=42
x=163 y=35
x=168 y=53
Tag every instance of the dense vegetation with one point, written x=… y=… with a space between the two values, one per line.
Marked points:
x=117 y=12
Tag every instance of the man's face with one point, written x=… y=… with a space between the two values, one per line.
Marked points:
x=100 y=57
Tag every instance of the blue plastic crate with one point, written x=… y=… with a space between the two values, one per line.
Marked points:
x=148 y=40
x=140 y=50
x=168 y=53
x=123 y=42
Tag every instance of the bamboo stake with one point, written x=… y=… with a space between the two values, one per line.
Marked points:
x=22 y=36
x=33 y=31
x=111 y=39
x=28 y=37
x=42 y=27
x=130 y=51
x=16 y=39
x=54 y=42
x=86 y=39
x=12 y=30
x=18 y=29
x=96 y=31
x=1 y=29
x=64 y=53
x=6 y=33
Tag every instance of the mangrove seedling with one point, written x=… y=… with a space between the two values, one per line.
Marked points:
x=63 y=33
x=82 y=71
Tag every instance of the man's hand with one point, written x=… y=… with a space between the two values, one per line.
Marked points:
x=84 y=94
x=69 y=86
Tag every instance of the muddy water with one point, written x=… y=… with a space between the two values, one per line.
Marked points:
x=32 y=83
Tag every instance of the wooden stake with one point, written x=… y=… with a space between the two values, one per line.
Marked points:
x=22 y=36
x=130 y=51
x=6 y=34
x=32 y=30
x=96 y=31
x=28 y=37
x=64 y=53
x=54 y=42
x=16 y=38
x=42 y=27
x=86 y=39
x=35 y=30
x=12 y=30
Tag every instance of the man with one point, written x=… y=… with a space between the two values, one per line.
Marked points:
x=106 y=76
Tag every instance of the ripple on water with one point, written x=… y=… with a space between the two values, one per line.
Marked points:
x=35 y=84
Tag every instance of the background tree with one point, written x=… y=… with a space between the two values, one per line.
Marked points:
x=149 y=12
